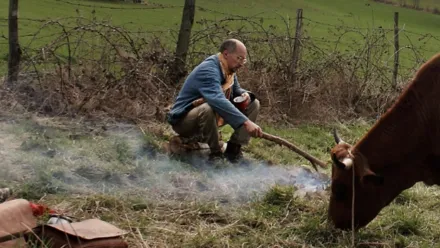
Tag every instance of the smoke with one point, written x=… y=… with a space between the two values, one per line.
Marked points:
x=227 y=185
x=157 y=174
x=121 y=161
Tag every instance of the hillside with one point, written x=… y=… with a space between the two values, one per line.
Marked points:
x=163 y=18
x=430 y=6
x=167 y=14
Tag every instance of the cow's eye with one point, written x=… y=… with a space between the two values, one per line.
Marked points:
x=339 y=191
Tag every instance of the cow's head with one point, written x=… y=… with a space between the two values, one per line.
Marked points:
x=347 y=161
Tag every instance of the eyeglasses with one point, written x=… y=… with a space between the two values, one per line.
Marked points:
x=241 y=60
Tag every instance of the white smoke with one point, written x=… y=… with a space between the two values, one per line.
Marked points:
x=90 y=166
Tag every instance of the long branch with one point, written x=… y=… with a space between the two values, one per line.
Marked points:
x=294 y=148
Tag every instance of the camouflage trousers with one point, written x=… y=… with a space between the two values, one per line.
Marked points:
x=201 y=122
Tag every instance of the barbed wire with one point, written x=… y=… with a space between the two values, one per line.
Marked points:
x=255 y=29
x=234 y=17
x=38 y=20
x=248 y=33
x=64 y=43
x=344 y=26
x=157 y=6
x=255 y=16
x=425 y=35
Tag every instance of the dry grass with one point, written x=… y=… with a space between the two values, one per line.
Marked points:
x=114 y=175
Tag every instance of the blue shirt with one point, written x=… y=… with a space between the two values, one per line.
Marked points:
x=206 y=81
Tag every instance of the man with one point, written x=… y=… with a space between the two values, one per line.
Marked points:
x=205 y=103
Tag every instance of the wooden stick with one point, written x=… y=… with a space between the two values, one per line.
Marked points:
x=314 y=161
x=11 y=236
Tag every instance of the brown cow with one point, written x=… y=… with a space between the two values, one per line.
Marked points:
x=402 y=148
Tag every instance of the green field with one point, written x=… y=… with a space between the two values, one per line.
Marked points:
x=424 y=4
x=420 y=28
x=359 y=13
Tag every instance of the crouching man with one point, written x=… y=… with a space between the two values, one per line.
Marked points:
x=205 y=103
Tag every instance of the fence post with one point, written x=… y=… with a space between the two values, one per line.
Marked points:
x=396 y=48
x=183 y=41
x=296 y=46
x=14 y=47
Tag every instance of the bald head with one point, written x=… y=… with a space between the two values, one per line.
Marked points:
x=231 y=45
x=234 y=51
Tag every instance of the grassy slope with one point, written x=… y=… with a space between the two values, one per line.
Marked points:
x=353 y=13
x=360 y=13
x=423 y=3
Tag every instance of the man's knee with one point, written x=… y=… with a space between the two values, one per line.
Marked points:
x=257 y=104
x=254 y=106
x=206 y=112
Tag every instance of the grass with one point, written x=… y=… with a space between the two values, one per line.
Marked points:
x=319 y=17
x=106 y=174
x=117 y=172
x=424 y=4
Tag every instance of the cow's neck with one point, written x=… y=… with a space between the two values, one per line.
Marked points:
x=405 y=137
x=398 y=136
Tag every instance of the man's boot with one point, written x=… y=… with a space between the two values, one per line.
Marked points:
x=215 y=158
x=233 y=152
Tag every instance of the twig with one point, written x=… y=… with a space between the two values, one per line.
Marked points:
x=144 y=244
x=314 y=161
x=12 y=236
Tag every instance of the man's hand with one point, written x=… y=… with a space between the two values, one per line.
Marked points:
x=253 y=129
x=246 y=97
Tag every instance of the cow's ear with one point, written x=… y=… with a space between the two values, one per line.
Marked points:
x=372 y=178
x=336 y=162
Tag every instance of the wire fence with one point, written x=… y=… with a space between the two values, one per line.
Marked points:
x=300 y=58
x=207 y=33
x=332 y=38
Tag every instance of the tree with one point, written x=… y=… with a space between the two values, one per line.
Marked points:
x=178 y=68
x=416 y=4
x=14 y=47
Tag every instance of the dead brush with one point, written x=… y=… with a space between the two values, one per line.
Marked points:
x=340 y=78
x=126 y=76
x=325 y=91
x=137 y=93
x=120 y=75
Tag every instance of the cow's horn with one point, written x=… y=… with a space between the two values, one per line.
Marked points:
x=336 y=136
x=348 y=162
